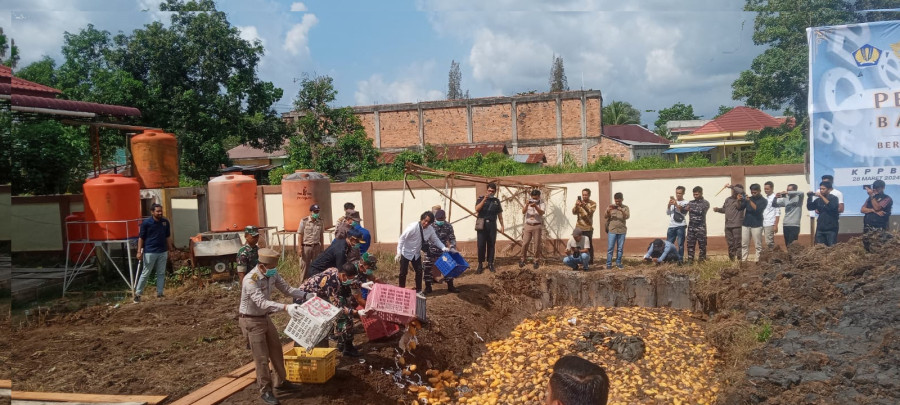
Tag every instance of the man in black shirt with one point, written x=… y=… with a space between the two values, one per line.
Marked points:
x=877 y=209
x=753 y=221
x=339 y=252
x=826 y=206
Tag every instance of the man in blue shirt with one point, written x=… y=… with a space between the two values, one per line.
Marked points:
x=662 y=251
x=154 y=243
x=366 y=236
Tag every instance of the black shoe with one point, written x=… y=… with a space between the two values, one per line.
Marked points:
x=427 y=288
x=137 y=299
x=536 y=265
x=349 y=350
x=491 y=267
x=522 y=264
x=451 y=288
x=480 y=269
x=269 y=398
x=287 y=386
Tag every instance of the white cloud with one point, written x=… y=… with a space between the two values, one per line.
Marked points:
x=296 y=41
x=410 y=86
x=298 y=6
x=250 y=34
x=651 y=53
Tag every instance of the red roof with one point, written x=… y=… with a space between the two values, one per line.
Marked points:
x=741 y=119
x=26 y=95
x=634 y=133
x=248 y=152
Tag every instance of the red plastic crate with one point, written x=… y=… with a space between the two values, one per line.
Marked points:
x=377 y=328
x=392 y=304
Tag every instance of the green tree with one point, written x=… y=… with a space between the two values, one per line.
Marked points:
x=677 y=112
x=42 y=71
x=722 y=110
x=454 y=90
x=50 y=158
x=558 y=81
x=330 y=140
x=778 y=78
x=8 y=46
x=620 y=113
x=780 y=145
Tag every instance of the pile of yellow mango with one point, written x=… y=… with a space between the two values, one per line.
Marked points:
x=678 y=365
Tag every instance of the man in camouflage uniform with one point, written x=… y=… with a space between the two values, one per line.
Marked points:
x=696 y=231
x=336 y=287
x=312 y=236
x=444 y=232
x=248 y=255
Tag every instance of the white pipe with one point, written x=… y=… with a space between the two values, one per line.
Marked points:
x=53 y=112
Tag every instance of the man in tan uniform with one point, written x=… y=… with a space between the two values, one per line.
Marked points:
x=312 y=236
x=256 y=326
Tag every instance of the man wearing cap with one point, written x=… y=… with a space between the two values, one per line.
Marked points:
x=877 y=210
x=577 y=251
x=337 y=285
x=734 y=219
x=154 y=243
x=312 y=236
x=339 y=252
x=248 y=255
x=258 y=329
x=444 y=232
x=410 y=245
x=366 y=239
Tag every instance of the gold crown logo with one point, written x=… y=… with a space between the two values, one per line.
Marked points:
x=867 y=55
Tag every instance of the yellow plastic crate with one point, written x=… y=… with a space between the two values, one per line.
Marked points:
x=313 y=367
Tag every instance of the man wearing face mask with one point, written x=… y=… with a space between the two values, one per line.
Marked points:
x=258 y=329
x=312 y=236
x=337 y=287
x=248 y=255
x=410 y=245
x=444 y=232
x=366 y=238
x=339 y=252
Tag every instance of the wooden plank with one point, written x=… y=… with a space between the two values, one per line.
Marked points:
x=228 y=390
x=91 y=398
x=6 y=384
x=19 y=402
x=204 y=391
x=246 y=368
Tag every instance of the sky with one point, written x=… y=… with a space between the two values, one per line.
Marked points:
x=650 y=53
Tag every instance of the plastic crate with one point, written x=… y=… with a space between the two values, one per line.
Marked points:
x=392 y=304
x=452 y=264
x=420 y=309
x=316 y=366
x=378 y=328
x=313 y=323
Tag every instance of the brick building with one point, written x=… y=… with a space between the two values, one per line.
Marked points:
x=551 y=124
x=629 y=142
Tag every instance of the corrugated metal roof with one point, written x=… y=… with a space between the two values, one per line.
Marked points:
x=71 y=105
x=22 y=86
x=530 y=158
x=248 y=152
x=689 y=150
x=634 y=133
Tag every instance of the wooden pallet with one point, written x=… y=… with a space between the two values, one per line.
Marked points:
x=225 y=386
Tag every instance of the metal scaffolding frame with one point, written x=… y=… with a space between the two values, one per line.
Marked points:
x=73 y=270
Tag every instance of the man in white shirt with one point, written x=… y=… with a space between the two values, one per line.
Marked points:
x=677 y=220
x=409 y=248
x=771 y=215
x=577 y=251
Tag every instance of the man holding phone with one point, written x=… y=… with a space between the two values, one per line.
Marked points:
x=616 y=215
x=584 y=211
x=877 y=210
x=677 y=220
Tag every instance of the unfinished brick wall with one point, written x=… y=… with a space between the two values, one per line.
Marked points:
x=536 y=120
x=491 y=123
x=608 y=147
x=571 y=118
x=445 y=126
x=368 y=123
x=399 y=129
x=594 y=118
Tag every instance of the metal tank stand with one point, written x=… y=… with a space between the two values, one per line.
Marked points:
x=73 y=270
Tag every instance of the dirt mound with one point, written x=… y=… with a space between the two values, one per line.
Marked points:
x=834 y=317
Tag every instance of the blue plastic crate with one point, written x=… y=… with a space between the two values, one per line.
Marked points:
x=451 y=264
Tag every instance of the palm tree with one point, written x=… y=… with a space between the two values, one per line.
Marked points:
x=620 y=113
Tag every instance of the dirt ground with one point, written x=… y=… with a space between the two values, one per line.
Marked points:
x=833 y=316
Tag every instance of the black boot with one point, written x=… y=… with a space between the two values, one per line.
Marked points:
x=347 y=349
x=427 y=288
x=450 y=287
x=480 y=269
x=491 y=267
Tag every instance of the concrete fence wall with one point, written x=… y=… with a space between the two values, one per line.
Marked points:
x=385 y=208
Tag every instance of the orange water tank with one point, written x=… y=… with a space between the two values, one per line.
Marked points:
x=115 y=201
x=75 y=231
x=155 y=157
x=232 y=203
x=299 y=191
